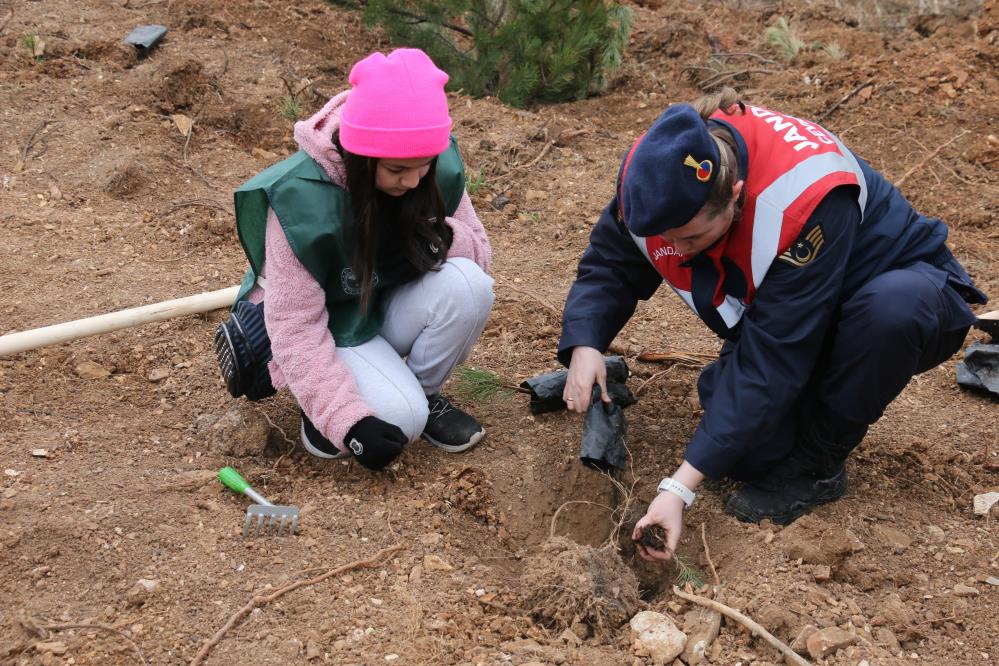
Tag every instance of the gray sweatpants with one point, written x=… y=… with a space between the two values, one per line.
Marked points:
x=433 y=322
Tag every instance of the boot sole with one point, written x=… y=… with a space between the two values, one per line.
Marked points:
x=457 y=448
x=797 y=510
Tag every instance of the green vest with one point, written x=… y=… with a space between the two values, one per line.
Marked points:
x=318 y=221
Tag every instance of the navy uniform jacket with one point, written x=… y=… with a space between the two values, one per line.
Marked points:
x=775 y=348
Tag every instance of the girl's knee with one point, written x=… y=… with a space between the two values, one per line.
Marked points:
x=464 y=283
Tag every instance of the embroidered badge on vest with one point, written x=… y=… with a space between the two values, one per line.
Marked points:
x=703 y=168
x=351 y=284
x=804 y=249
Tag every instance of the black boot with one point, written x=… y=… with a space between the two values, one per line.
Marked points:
x=449 y=428
x=785 y=493
x=814 y=473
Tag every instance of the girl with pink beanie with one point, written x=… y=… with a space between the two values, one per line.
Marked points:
x=370 y=266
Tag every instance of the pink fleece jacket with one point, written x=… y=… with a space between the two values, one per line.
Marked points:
x=305 y=359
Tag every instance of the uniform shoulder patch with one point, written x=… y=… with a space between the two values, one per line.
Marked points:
x=805 y=249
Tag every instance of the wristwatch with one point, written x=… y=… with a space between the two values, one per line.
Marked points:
x=671 y=485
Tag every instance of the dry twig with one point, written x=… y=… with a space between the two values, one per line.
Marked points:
x=845 y=99
x=790 y=655
x=258 y=601
x=707 y=555
x=208 y=203
x=654 y=377
x=26 y=150
x=747 y=54
x=929 y=157
x=712 y=81
x=6 y=20
x=544 y=151
x=686 y=358
x=551 y=308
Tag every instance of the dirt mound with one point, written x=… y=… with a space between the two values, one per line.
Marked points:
x=570 y=583
x=814 y=541
x=181 y=87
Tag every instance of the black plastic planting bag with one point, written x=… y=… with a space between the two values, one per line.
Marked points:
x=145 y=37
x=546 y=390
x=604 y=429
x=604 y=426
x=980 y=368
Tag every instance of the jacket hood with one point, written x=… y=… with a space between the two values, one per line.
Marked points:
x=315 y=137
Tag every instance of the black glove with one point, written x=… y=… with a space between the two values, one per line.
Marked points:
x=374 y=442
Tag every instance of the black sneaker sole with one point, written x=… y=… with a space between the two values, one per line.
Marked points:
x=457 y=448
x=797 y=510
x=312 y=449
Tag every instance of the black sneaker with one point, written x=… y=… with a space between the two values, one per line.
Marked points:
x=316 y=444
x=449 y=428
x=785 y=494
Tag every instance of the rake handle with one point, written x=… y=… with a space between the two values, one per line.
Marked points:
x=14 y=343
x=232 y=480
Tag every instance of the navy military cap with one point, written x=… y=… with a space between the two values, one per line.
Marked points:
x=668 y=173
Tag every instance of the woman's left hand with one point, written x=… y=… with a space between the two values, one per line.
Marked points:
x=666 y=510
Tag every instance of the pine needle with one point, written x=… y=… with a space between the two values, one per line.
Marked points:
x=686 y=572
x=477 y=385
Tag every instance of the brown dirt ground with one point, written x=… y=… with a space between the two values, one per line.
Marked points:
x=105 y=205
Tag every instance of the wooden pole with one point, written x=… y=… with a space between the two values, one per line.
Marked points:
x=13 y=343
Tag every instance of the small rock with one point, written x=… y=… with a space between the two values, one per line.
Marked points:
x=158 y=374
x=935 y=533
x=415 y=574
x=391 y=657
x=886 y=638
x=536 y=195
x=961 y=590
x=983 y=503
x=140 y=593
x=40 y=453
x=291 y=648
x=821 y=573
x=774 y=617
x=897 y=612
x=800 y=643
x=827 y=641
x=194 y=479
x=897 y=539
x=55 y=647
x=992 y=580
x=499 y=201
x=570 y=638
x=656 y=635
x=312 y=650
x=91 y=370
x=435 y=563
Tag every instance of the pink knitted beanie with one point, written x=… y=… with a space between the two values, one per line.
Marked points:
x=397 y=107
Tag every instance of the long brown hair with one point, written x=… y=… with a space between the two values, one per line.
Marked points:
x=420 y=219
x=721 y=190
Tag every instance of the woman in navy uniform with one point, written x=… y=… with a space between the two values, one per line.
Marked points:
x=829 y=290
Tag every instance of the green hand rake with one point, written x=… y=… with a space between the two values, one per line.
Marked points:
x=262 y=518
